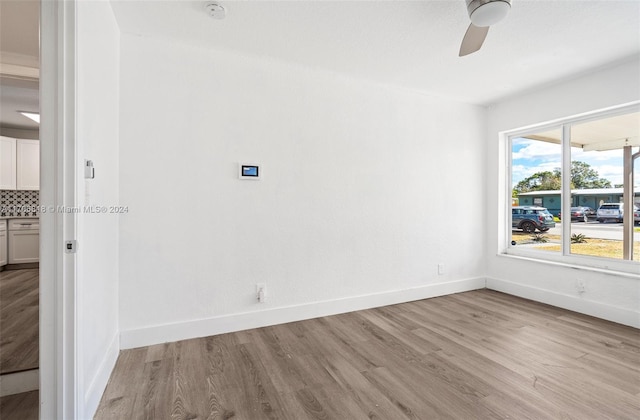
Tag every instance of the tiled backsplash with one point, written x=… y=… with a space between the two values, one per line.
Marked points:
x=19 y=203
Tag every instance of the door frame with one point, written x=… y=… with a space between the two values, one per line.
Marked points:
x=60 y=396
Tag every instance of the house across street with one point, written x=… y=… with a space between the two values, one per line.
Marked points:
x=586 y=197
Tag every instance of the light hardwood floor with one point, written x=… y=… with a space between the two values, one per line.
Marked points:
x=19 y=320
x=474 y=355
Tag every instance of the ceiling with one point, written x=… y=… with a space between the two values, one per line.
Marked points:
x=408 y=44
x=19 y=62
x=608 y=133
x=18 y=95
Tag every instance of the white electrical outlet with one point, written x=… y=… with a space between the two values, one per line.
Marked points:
x=440 y=269
x=261 y=292
x=581 y=287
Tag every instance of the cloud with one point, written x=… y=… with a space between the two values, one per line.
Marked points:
x=611 y=172
x=609 y=164
x=534 y=149
x=532 y=156
x=595 y=156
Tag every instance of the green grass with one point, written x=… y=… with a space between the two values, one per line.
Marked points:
x=593 y=247
x=598 y=248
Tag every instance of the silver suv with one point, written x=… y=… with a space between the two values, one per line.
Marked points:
x=615 y=212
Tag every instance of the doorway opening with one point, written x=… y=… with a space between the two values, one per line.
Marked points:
x=19 y=207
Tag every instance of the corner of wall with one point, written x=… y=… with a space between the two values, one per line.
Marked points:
x=99 y=382
x=242 y=321
x=572 y=303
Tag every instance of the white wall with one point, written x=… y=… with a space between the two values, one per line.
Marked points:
x=97 y=139
x=609 y=296
x=366 y=189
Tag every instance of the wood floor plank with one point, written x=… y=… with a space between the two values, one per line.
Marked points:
x=189 y=379
x=331 y=341
x=401 y=333
x=19 y=324
x=613 y=373
x=513 y=393
x=438 y=386
x=480 y=355
x=24 y=406
x=260 y=393
x=116 y=408
x=370 y=400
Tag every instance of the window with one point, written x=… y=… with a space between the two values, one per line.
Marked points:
x=536 y=187
x=569 y=182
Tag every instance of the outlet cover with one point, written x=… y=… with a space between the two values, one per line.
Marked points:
x=261 y=296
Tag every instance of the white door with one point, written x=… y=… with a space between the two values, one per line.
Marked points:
x=7 y=163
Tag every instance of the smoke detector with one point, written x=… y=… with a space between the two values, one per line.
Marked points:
x=215 y=10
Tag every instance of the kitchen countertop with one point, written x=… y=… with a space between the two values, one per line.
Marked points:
x=18 y=217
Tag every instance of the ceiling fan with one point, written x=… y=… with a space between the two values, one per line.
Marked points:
x=483 y=14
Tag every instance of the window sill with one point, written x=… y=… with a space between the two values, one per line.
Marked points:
x=617 y=271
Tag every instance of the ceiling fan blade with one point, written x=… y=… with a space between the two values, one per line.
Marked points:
x=473 y=39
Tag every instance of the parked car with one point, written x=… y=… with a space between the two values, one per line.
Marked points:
x=610 y=211
x=615 y=212
x=581 y=214
x=530 y=218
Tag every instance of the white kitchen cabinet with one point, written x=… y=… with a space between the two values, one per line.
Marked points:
x=3 y=243
x=27 y=164
x=24 y=247
x=24 y=241
x=19 y=164
x=8 y=159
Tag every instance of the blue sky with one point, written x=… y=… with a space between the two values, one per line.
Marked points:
x=531 y=156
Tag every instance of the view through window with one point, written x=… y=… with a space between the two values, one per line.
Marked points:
x=586 y=215
x=537 y=191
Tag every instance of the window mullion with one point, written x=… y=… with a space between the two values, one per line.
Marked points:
x=566 y=189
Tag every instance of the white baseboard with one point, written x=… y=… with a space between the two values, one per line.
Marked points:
x=99 y=382
x=16 y=383
x=242 y=321
x=572 y=303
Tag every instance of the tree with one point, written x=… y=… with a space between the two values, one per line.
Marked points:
x=582 y=176
x=540 y=181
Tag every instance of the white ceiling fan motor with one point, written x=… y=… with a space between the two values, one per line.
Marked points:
x=215 y=10
x=483 y=14
x=487 y=12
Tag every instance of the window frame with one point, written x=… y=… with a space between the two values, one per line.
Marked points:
x=564 y=257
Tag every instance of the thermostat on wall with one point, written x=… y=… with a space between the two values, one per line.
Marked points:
x=249 y=171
